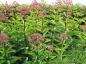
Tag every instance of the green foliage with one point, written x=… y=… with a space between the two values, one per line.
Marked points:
x=59 y=35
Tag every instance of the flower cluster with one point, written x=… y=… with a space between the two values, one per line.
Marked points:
x=7 y=8
x=50 y=48
x=35 y=4
x=15 y=4
x=43 y=12
x=36 y=37
x=68 y=2
x=84 y=27
x=58 y=3
x=3 y=17
x=4 y=37
x=63 y=36
x=24 y=11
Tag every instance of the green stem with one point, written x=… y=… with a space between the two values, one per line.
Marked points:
x=42 y=26
x=62 y=51
x=37 y=55
x=5 y=54
x=24 y=25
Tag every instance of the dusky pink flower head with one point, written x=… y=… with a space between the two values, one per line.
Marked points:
x=24 y=11
x=7 y=7
x=58 y=2
x=43 y=12
x=63 y=36
x=68 y=2
x=84 y=27
x=35 y=4
x=15 y=4
x=4 y=37
x=36 y=37
x=50 y=48
x=3 y=17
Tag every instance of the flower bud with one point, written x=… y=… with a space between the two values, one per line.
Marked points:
x=36 y=38
x=50 y=48
x=4 y=37
x=63 y=36
x=84 y=27
x=24 y=11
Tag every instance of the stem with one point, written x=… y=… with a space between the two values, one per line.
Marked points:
x=65 y=22
x=24 y=31
x=5 y=54
x=48 y=59
x=37 y=55
x=14 y=13
x=61 y=57
x=52 y=40
x=42 y=25
x=16 y=27
x=62 y=51
x=36 y=22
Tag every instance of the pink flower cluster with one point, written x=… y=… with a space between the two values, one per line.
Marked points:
x=50 y=48
x=3 y=17
x=43 y=12
x=15 y=3
x=58 y=2
x=35 y=4
x=63 y=36
x=4 y=37
x=36 y=38
x=68 y=2
x=24 y=11
x=7 y=7
x=84 y=27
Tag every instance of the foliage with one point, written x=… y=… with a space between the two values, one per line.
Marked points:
x=42 y=34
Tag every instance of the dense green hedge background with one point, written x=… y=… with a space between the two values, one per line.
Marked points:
x=42 y=34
